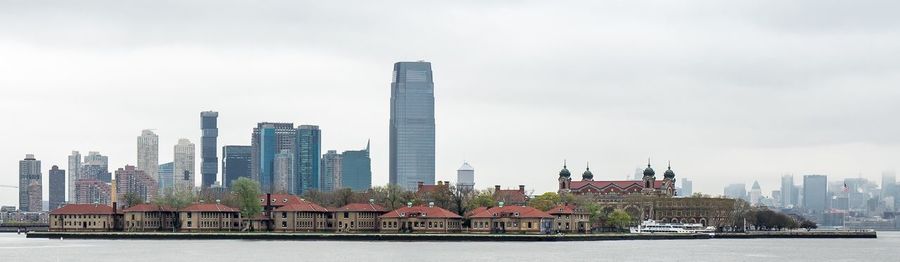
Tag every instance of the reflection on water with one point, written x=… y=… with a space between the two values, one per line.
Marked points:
x=17 y=248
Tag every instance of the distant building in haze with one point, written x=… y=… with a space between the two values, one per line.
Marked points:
x=57 y=188
x=148 y=153
x=166 y=177
x=331 y=171
x=356 y=168
x=815 y=193
x=687 y=187
x=412 y=125
x=235 y=163
x=307 y=159
x=208 y=146
x=283 y=172
x=755 y=194
x=787 y=191
x=74 y=174
x=184 y=169
x=736 y=191
x=30 y=191
x=465 y=177
x=267 y=140
x=129 y=180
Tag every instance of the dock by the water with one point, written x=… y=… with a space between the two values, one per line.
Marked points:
x=436 y=237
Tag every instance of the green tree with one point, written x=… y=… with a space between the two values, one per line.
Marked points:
x=545 y=201
x=132 y=199
x=247 y=191
x=482 y=199
x=176 y=199
x=619 y=219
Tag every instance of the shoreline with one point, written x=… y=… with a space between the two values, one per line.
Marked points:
x=438 y=237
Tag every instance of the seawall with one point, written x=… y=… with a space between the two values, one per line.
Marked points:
x=428 y=237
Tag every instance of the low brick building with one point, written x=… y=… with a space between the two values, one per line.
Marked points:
x=511 y=197
x=85 y=217
x=358 y=217
x=570 y=219
x=210 y=217
x=421 y=219
x=150 y=217
x=302 y=216
x=511 y=219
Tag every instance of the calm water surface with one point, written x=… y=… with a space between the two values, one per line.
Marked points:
x=885 y=248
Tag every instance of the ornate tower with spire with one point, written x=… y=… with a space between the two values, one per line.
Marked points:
x=565 y=179
x=669 y=181
x=649 y=178
x=587 y=175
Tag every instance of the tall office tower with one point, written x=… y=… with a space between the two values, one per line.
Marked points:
x=308 y=155
x=132 y=181
x=687 y=187
x=184 y=165
x=755 y=194
x=95 y=166
x=148 y=153
x=736 y=191
x=90 y=191
x=283 y=172
x=787 y=191
x=57 y=187
x=465 y=177
x=331 y=171
x=210 y=133
x=74 y=174
x=888 y=183
x=356 y=168
x=412 y=125
x=30 y=184
x=166 y=177
x=235 y=163
x=638 y=174
x=277 y=136
x=815 y=192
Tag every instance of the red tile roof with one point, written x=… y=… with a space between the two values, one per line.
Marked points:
x=83 y=209
x=475 y=211
x=209 y=208
x=511 y=195
x=420 y=211
x=362 y=207
x=562 y=209
x=280 y=199
x=512 y=211
x=302 y=206
x=149 y=208
x=575 y=185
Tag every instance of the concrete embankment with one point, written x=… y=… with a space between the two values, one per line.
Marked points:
x=435 y=237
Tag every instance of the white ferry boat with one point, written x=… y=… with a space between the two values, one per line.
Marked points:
x=651 y=226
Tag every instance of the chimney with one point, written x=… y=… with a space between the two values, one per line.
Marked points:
x=522 y=188
x=419 y=185
x=114 y=207
x=440 y=183
x=497 y=187
x=447 y=183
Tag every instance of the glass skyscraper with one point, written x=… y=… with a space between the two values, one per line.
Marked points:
x=280 y=136
x=412 y=125
x=267 y=151
x=331 y=171
x=308 y=155
x=815 y=193
x=235 y=163
x=166 y=177
x=210 y=132
x=356 y=168
x=57 y=188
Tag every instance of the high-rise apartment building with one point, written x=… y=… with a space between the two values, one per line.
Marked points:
x=208 y=146
x=465 y=177
x=148 y=153
x=815 y=193
x=283 y=172
x=90 y=191
x=184 y=169
x=787 y=191
x=129 y=180
x=331 y=171
x=30 y=191
x=412 y=125
x=235 y=163
x=74 y=174
x=166 y=177
x=57 y=187
x=95 y=166
x=307 y=158
x=267 y=140
x=356 y=168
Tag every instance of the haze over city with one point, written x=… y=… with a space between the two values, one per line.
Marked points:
x=729 y=92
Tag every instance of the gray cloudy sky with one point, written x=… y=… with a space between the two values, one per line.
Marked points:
x=729 y=91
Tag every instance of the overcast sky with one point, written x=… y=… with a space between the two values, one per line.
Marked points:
x=729 y=91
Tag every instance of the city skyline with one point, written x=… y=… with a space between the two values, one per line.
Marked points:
x=713 y=104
